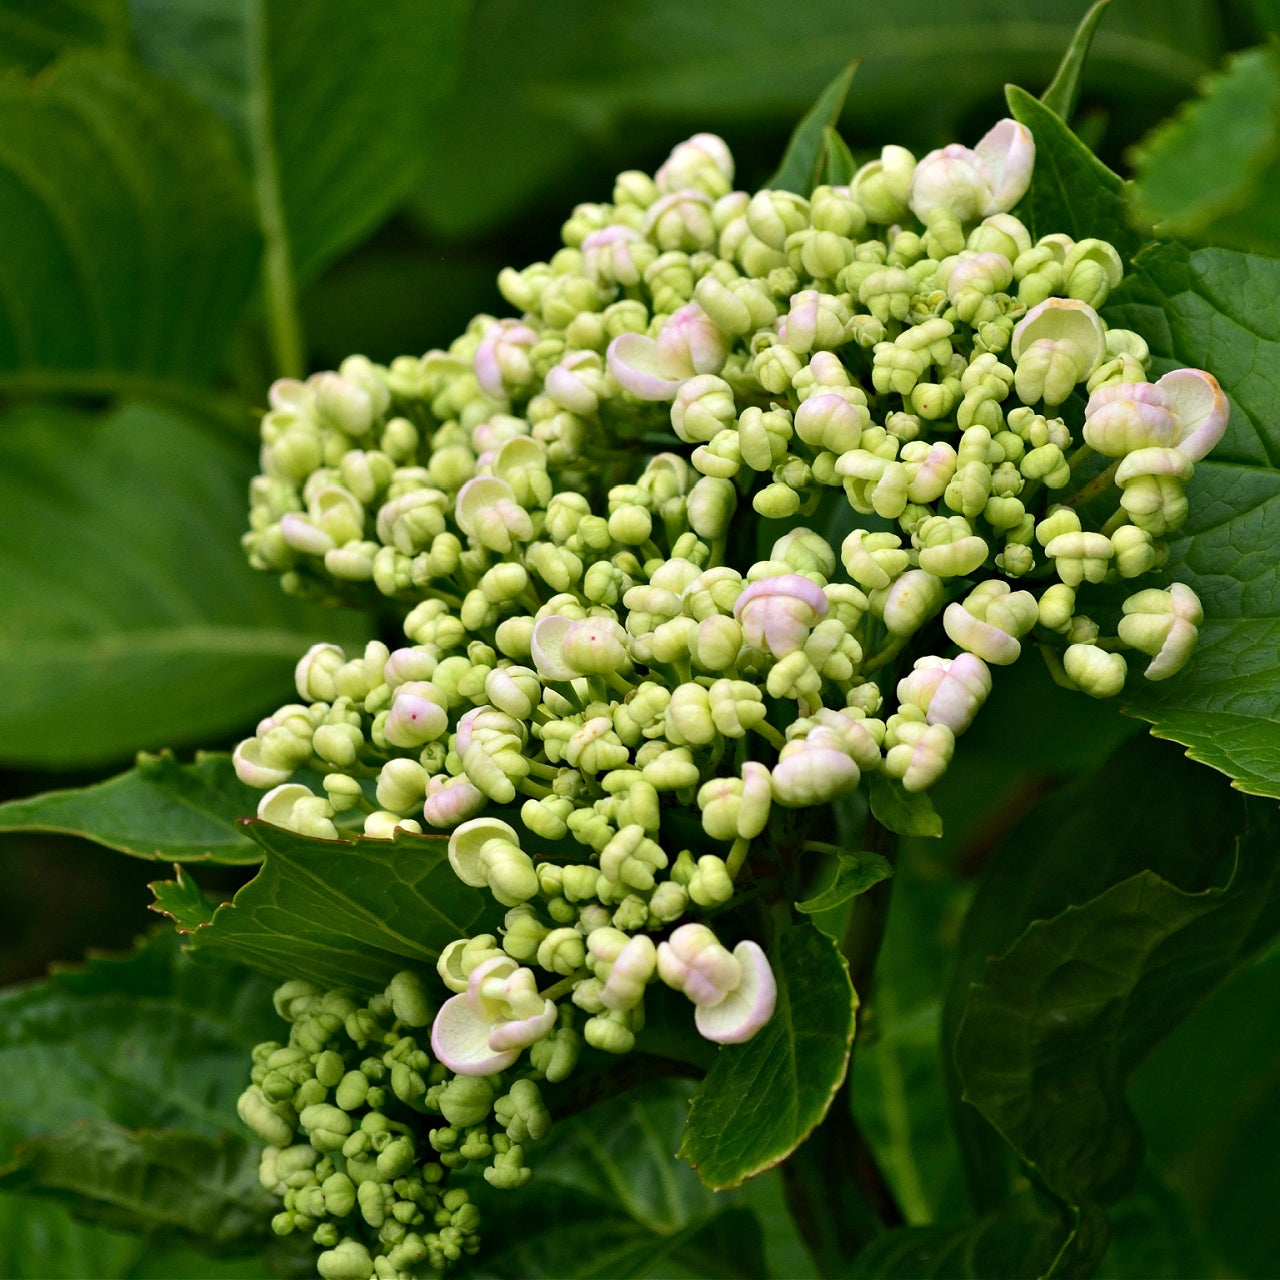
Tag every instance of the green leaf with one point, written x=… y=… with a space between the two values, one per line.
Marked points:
x=761 y=1099
x=334 y=108
x=1060 y=1020
x=1145 y=807
x=1219 y=310
x=1064 y=91
x=131 y=620
x=181 y=900
x=1155 y=1237
x=855 y=874
x=149 y=1039
x=131 y=249
x=165 y=1182
x=908 y=813
x=41 y=1239
x=159 y=809
x=1211 y=171
x=34 y=32
x=609 y=1200
x=801 y=166
x=839 y=166
x=342 y=913
x=1072 y=191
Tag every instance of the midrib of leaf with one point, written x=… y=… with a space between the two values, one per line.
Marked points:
x=169 y=642
x=278 y=282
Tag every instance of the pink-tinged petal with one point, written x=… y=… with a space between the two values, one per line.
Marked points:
x=460 y=1039
x=748 y=1007
x=1009 y=153
x=449 y=803
x=691 y=342
x=514 y=1034
x=1155 y=461
x=1202 y=410
x=637 y=367
x=484 y=993
x=548 y=639
x=953 y=178
x=478 y=494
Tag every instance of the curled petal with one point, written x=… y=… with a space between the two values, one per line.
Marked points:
x=637 y=366
x=460 y=1039
x=1009 y=153
x=748 y=1006
x=468 y=840
x=1201 y=407
x=548 y=639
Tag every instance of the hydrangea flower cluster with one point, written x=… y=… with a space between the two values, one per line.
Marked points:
x=745 y=505
x=361 y=1128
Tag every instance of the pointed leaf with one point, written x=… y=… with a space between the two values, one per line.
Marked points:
x=761 y=1099
x=839 y=165
x=159 y=809
x=143 y=1181
x=1060 y=1021
x=343 y=913
x=855 y=874
x=801 y=166
x=130 y=620
x=132 y=249
x=1064 y=91
x=908 y=813
x=1072 y=191
x=1210 y=172
x=1219 y=310
x=181 y=900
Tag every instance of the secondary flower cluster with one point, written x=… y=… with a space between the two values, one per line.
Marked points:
x=362 y=1127
x=746 y=504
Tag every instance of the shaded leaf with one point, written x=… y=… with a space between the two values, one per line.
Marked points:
x=145 y=1181
x=1145 y=807
x=342 y=913
x=1072 y=191
x=609 y=1200
x=131 y=620
x=38 y=1238
x=1064 y=90
x=908 y=813
x=334 y=111
x=839 y=165
x=761 y=1099
x=1220 y=310
x=132 y=248
x=151 y=1038
x=159 y=809
x=34 y=32
x=181 y=900
x=1154 y=1237
x=1212 y=171
x=1061 y=1020
x=855 y=874
x=802 y=163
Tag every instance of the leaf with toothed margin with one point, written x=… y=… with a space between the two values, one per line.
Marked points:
x=338 y=912
x=761 y=1099
x=1219 y=310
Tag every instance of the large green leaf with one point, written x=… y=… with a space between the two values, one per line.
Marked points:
x=130 y=618
x=609 y=1200
x=1072 y=191
x=334 y=104
x=761 y=1099
x=1144 y=807
x=40 y=1239
x=147 y=1181
x=1220 y=310
x=149 y=1039
x=1061 y=1020
x=566 y=82
x=130 y=248
x=159 y=809
x=1212 y=172
x=341 y=913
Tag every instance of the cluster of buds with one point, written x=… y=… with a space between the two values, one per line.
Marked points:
x=362 y=1128
x=746 y=504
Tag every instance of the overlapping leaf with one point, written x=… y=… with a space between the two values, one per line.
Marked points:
x=159 y=809
x=130 y=618
x=1220 y=310
x=340 y=913
x=761 y=1099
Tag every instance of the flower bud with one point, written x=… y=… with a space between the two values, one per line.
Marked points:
x=1056 y=345
x=1163 y=624
x=1094 y=671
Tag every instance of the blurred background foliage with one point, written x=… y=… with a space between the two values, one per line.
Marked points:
x=199 y=196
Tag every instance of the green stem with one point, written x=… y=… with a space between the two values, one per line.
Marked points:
x=278 y=282
x=1098 y=485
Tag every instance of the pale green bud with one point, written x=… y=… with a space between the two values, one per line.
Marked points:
x=882 y=186
x=1095 y=671
x=702 y=407
x=350 y=1260
x=609 y=1032
x=1056 y=607
x=1163 y=624
x=1056 y=345
x=466 y=1100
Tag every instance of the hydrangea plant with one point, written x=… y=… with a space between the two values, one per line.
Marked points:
x=687 y=578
